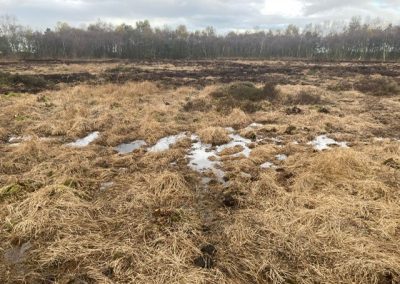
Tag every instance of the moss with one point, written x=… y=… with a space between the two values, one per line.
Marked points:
x=21 y=117
x=10 y=191
x=70 y=182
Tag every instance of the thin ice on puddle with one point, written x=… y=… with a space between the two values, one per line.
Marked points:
x=130 y=147
x=323 y=142
x=203 y=159
x=165 y=143
x=85 y=141
x=199 y=159
x=237 y=140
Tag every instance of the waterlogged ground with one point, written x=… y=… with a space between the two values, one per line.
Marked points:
x=148 y=183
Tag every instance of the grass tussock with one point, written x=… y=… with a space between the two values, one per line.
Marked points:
x=214 y=135
x=199 y=104
x=378 y=86
x=341 y=86
x=305 y=98
x=237 y=119
x=347 y=171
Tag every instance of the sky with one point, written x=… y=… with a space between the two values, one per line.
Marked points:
x=224 y=15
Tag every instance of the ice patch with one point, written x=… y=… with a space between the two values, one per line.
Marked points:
x=19 y=139
x=323 y=142
x=281 y=157
x=130 y=147
x=237 y=140
x=165 y=143
x=85 y=141
x=230 y=129
x=267 y=165
x=254 y=126
x=106 y=185
x=199 y=159
x=203 y=159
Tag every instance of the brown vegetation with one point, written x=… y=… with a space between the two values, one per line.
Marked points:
x=92 y=215
x=378 y=86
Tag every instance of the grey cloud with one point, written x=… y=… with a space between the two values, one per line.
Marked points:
x=223 y=14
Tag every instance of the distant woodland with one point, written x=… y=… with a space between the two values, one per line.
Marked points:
x=354 y=41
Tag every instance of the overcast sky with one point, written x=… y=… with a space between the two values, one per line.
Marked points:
x=196 y=14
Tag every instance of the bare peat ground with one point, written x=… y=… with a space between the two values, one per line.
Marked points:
x=185 y=172
x=35 y=76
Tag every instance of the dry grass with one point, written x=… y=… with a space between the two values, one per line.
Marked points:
x=214 y=135
x=378 y=86
x=91 y=215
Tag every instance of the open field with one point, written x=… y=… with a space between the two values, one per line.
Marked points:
x=199 y=172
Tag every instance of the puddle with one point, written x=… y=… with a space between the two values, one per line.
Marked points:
x=85 y=141
x=281 y=157
x=323 y=142
x=199 y=160
x=203 y=159
x=130 y=147
x=165 y=143
x=237 y=140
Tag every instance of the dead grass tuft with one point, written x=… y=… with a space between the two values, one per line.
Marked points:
x=305 y=97
x=199 y=104
x=214 y=135
x=378 y=86
x=237 y=119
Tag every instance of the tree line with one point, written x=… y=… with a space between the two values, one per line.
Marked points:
x=354 y=41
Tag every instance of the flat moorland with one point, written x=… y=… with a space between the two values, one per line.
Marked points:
x=199 y=172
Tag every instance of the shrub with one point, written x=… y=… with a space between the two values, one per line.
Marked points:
x=23 y=83
x=244 y=95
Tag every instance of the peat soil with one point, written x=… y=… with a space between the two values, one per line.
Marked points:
x=185 y=72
